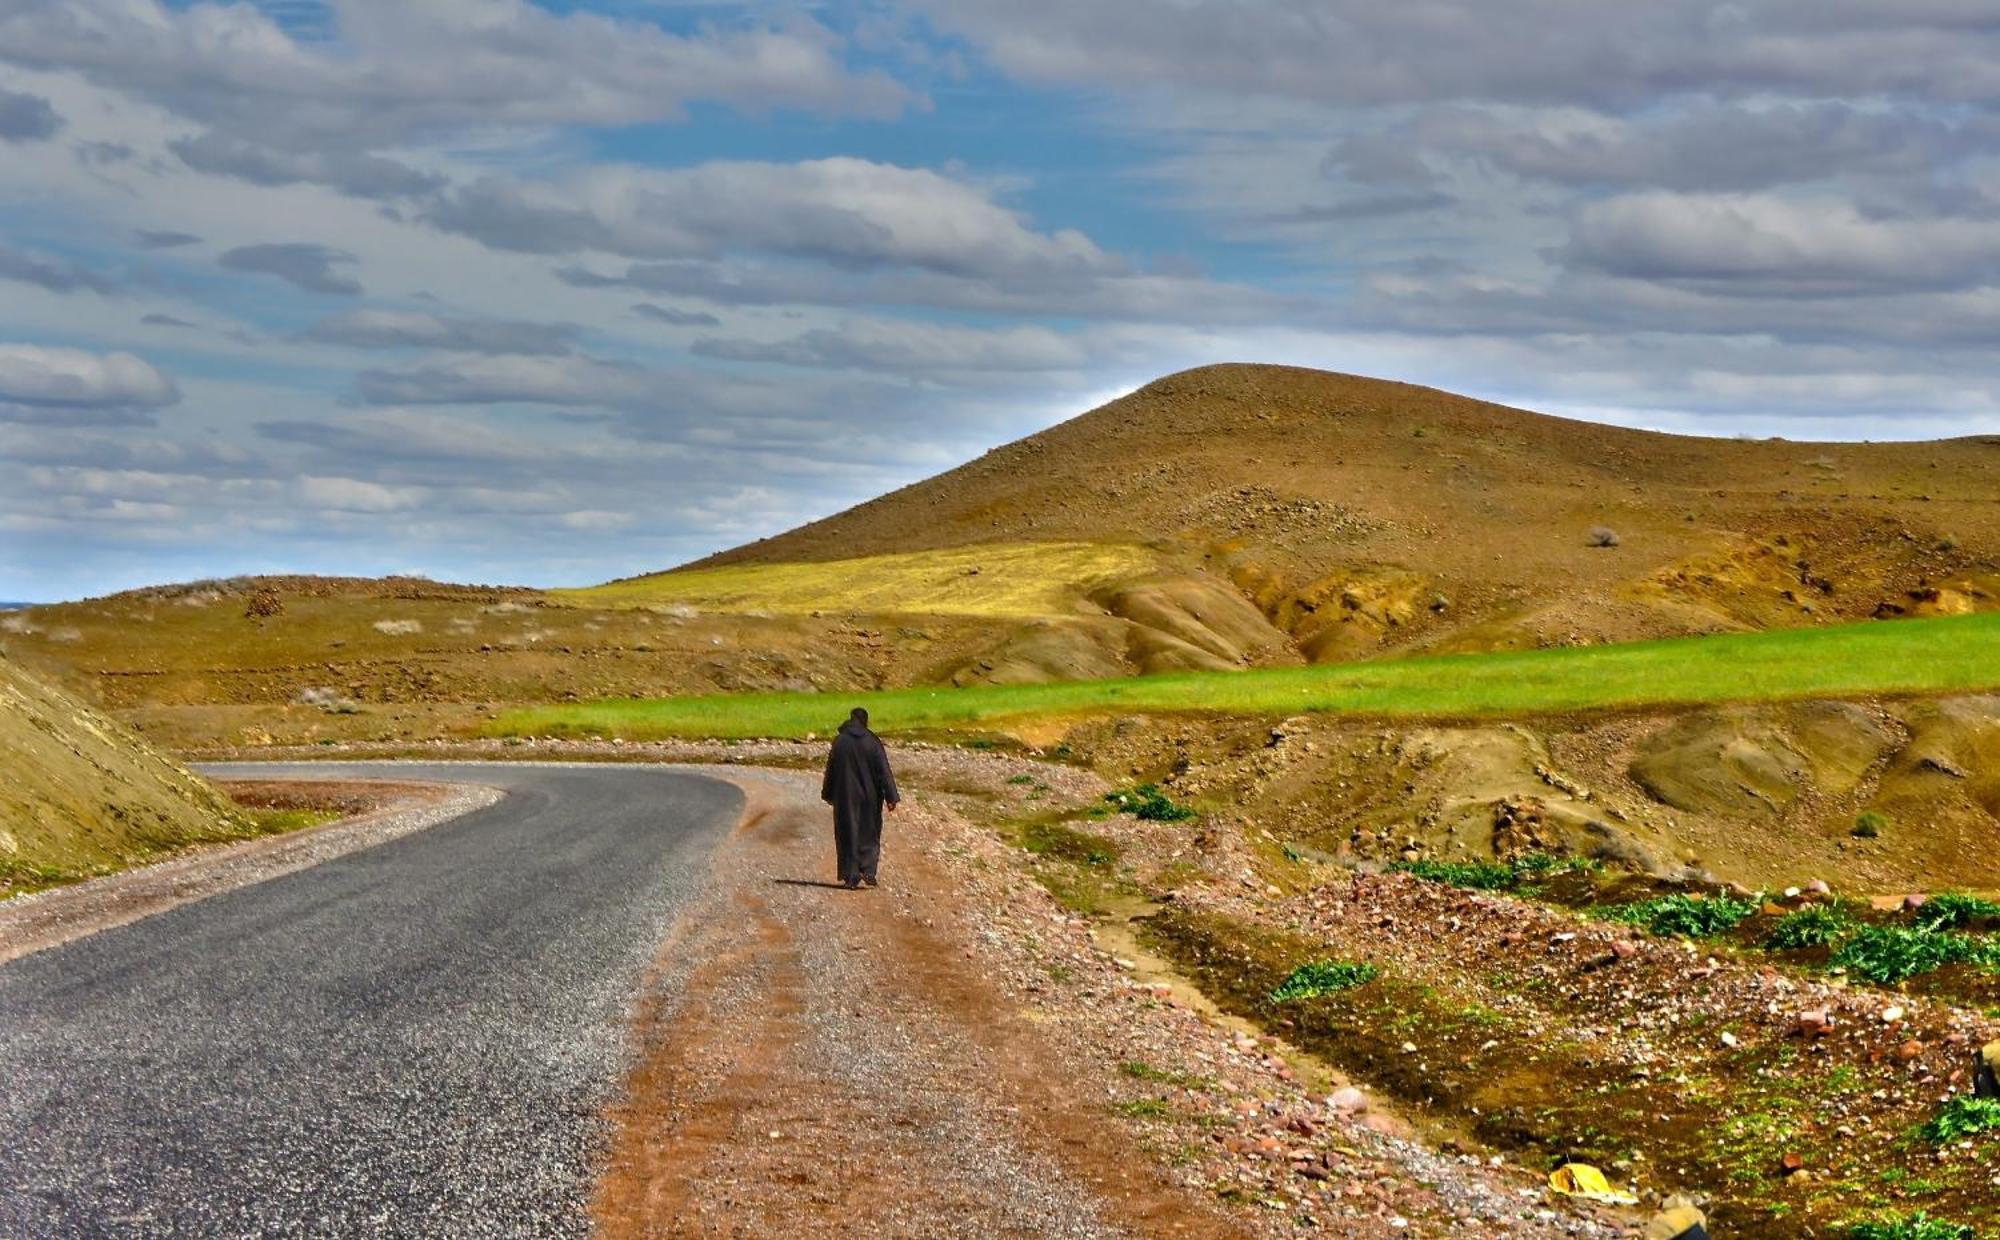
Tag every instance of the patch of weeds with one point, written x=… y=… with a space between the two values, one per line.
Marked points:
x=1549 y=865
x=1890 y=954
x=1684 y=915
x=1052 y=839
x=1147 y=803
x=1870 y=825
x=1020 y=779
x=1323 y=977
x=1962 y=1117
x=1473 y=875
x=1144 y=1108
x=1816 y=925
x=1160 y=1076
x=1495 y=875
x=1953 y=910
x=1918 y=1226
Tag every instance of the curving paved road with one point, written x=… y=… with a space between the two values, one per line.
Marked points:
x=412 y=1040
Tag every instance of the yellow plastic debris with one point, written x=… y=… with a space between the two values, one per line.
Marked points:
x=1585 y=1181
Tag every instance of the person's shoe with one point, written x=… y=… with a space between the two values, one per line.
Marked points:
x=852 y=884
x=869 y=880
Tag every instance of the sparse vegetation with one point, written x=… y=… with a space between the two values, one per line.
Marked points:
x=1684 y=916
x=1918 y=1226
x=1962 y=1117
x=1053 y=839
x=1149 y=804
x=1474 y=875
x=1323 y=977
x=1870 y=825
x=994 y=579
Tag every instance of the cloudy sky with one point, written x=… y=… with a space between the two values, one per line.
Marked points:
x=550 y=292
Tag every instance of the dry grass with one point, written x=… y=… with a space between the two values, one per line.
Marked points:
x=998 y=580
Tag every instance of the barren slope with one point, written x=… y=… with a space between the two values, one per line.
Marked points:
x=81 y=794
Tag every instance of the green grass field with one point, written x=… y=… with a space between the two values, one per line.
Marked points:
x=1953 y=654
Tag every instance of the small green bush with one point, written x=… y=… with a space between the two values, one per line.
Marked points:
x=1918 y=1226
x=1684 y=915
x=1324 y=977
x=1891 y=954
x=1964 y=1116
x=1148 y=803
x=1870 y=825
x=1952 y=910
x=1815 y=925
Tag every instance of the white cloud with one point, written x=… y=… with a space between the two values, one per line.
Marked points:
x=76 y=379
x=356 y=495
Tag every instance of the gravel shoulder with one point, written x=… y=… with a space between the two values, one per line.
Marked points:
x=33 y=923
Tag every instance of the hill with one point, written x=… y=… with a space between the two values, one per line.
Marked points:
x=83 y=796
x=1361 y=516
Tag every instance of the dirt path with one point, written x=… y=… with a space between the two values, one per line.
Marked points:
x=833 y=1063
x=905 y=1062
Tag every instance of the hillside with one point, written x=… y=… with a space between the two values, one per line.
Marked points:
x=1363 y=516
x=82 y=795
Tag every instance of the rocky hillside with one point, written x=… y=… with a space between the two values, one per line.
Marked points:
x=82 y=795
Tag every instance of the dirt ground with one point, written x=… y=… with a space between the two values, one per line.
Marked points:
x=955 y=1054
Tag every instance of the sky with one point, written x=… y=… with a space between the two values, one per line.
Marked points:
x=549 y=293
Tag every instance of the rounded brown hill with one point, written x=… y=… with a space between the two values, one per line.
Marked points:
x=1361 y=514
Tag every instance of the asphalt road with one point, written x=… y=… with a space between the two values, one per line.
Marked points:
x=412 y=1040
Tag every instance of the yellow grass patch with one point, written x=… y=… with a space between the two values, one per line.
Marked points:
x=998 y=580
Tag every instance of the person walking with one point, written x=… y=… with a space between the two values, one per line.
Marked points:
x=858 y=784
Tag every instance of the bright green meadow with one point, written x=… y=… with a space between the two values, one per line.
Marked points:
x=1901 y=657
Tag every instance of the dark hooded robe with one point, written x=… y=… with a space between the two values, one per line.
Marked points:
x=858 y=781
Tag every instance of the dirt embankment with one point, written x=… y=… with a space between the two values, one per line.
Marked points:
x=82 y=795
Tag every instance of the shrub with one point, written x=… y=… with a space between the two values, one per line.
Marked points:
x=1964 y=1116
x=1324 y=977
x=1870 y=824
x=398 y=628
x=1816 y=925
x=1685 y=915
x=1891 y=954
x=1952 y=910
x=1147 y=802
x=1602 y=536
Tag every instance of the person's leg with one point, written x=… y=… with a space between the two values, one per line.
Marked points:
x=843 y=846
x=868 y=842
